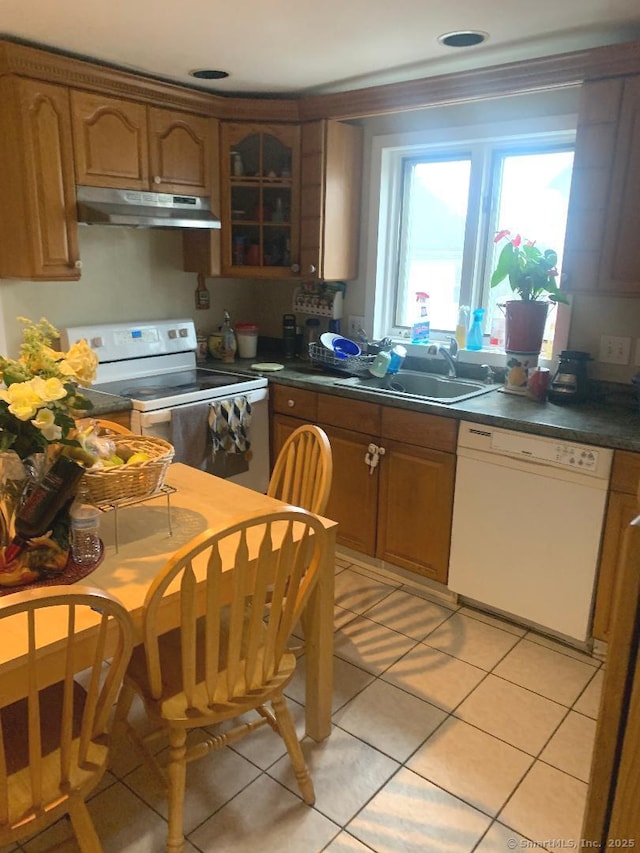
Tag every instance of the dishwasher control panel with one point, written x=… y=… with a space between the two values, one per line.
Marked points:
x=582 y=458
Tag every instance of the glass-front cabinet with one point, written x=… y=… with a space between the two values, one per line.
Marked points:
x=260 y=190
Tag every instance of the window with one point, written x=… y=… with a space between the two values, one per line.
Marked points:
x=440 y=206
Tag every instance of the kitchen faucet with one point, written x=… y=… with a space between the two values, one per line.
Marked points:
x=448 y=355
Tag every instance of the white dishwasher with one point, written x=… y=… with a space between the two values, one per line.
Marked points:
x=527 y=522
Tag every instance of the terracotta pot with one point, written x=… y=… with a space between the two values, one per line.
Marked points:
x=524 y=325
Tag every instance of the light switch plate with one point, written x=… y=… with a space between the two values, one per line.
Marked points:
x=614 y=349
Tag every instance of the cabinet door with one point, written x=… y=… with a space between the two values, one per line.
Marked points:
x=179 y=152
x=38 y=215
x=281 y=429
x=110 y=137
x=621 y=510
x=354 y=492
x=330 y=182
x=620 y=269
x=260 y=191
x=415 y=506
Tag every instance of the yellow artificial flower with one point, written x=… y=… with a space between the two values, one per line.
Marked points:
x=44 y=421
x=80 y=363
x=48 y=389
x=23 y=401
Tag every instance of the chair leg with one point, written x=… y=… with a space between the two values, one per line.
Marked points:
x=85 y=831
x=177 y=772
x=290 y=738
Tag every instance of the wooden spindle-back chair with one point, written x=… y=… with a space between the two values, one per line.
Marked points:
x=54 y=732
x=229 y=655
x=303 y=469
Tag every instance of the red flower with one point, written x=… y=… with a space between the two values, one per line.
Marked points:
x=517 y=240
x=500 y=235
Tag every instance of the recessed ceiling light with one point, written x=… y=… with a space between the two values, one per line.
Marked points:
x=463 y=38
x=209 y=74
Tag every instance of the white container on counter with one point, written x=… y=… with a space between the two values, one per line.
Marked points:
x=247 y=337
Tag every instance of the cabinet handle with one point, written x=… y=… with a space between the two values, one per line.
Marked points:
x=157 y=179
x=312 y=269
x=77 y=265
x=372 y=456
x=291 y=403
x=295 y=267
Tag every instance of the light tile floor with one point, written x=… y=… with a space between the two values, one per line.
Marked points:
x=453 y=731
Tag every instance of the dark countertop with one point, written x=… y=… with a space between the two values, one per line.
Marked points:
x=611 y=421
x=104 y=403
x=606 y=422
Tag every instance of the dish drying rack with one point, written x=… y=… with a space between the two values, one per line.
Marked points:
x=355 y=365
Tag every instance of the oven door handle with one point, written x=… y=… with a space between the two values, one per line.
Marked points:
x=163 y=416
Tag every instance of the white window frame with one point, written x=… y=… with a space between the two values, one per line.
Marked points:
x=387 y=153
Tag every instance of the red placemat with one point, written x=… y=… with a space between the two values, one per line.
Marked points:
x=71 y=574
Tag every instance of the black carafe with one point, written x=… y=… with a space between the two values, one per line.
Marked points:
x=571 y=382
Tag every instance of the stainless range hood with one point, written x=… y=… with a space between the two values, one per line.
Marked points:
x=140 y=209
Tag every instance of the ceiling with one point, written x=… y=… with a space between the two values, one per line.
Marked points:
x=291 y=47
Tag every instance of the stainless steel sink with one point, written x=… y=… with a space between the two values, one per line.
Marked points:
x=423 y=386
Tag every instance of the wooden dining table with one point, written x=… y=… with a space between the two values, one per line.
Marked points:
x=148 y=534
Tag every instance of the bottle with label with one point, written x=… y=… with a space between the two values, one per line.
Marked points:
x=229 y=344
x=420 y=326
x=462 y=326
x=475 y=336
x=85 y=528
x=43 y=502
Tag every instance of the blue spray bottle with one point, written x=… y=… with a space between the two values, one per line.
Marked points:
x=474 y=338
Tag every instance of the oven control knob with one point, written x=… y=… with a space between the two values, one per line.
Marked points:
x=96 y=342
x=173 y=334
x=184 y=333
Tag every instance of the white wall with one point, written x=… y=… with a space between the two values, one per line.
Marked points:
x=127 y=274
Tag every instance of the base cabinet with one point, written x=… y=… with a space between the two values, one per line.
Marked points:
x=393 y=476
x=353 y=501
x=415 y=508
x=622 y=508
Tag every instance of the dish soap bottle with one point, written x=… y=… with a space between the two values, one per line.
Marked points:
x=229 y=343
x=462 y=326
x=420 y=326
x=474 y=338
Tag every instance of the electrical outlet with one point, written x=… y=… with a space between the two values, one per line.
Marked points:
x=614 y=350
x=355 y=324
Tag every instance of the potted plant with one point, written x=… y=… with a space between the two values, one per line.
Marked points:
x=532 y=274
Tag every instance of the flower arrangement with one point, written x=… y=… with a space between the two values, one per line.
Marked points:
x=40 y=400
x=532 y=273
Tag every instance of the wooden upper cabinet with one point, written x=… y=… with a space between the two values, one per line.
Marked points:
x=290 y=203
x=110 y=139
x=37 y=215
x=331 y=176
x=124 y=144
x=179 y=152
x=620 y=268
x=260 y=198
x=602 y=252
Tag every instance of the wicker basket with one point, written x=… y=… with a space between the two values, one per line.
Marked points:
x=133 y=480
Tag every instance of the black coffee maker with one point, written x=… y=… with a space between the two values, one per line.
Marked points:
x=570 y=383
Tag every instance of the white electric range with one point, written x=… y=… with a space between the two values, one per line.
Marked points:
x=153 y=364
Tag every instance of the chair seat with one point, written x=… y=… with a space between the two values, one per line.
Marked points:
x=15 y=734
x=174 y=706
